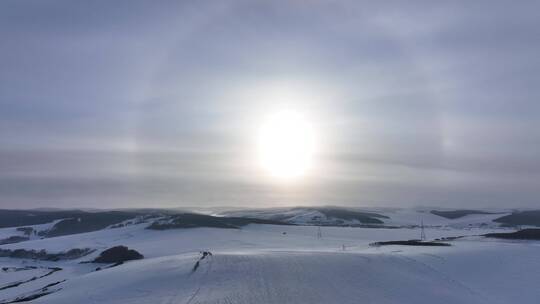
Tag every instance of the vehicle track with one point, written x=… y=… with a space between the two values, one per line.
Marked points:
x=445 y=276
x=176 y=298
x=203 y=279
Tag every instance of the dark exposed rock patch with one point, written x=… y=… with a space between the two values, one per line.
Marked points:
x=118 y=254
x=90 y=220
x=26 y=230
x=525 y=234
x=16 y=269
x=531 y=218
x=346 y=214
x=43 y=255
x=450 y=238
x=193 y=220
x=45 y=290
x=455 y=214
x=410 y=243
x=138 y=220
x=17 y=283
x=13 y=239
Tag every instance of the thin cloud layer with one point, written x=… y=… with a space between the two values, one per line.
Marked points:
x=144 y=104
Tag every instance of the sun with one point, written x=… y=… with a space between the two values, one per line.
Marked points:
x=286 y=145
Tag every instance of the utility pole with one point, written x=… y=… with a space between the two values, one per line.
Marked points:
x=319 y=232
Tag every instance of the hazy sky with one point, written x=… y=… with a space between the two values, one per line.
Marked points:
x=157 y=103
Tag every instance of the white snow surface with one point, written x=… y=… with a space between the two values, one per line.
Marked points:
x=285 y=264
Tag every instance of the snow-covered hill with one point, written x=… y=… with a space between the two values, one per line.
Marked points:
x=283 y=264
x=270 y=277
x=333 y=216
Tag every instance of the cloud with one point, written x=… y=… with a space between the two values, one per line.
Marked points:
x=129 y=102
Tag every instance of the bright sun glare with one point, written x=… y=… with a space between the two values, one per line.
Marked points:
x=286 y=145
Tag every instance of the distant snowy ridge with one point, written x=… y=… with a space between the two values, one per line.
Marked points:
x=335 y=216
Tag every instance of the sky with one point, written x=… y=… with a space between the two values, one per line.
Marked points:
x=157 y=103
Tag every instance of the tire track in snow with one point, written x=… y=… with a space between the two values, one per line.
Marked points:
x=204 y=278
x=174 y=299
x=445 y=276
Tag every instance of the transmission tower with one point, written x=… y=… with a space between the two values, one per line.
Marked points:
x=422 y=231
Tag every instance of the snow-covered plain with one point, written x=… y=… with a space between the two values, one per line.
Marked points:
x=286 y=264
